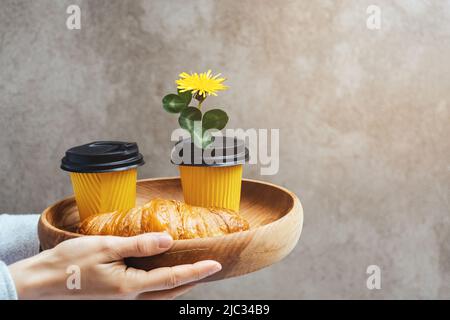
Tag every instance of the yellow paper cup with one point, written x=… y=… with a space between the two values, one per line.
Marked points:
x=212 y=186
x=103 y=175
x=104 y=192
x=211 y=177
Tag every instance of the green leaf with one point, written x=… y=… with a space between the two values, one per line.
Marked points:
x=196 y=136
x=186 y=96
x=215 y=119
x=173 y=103
x=187 y=118
x=190 y=119
x=207 y=139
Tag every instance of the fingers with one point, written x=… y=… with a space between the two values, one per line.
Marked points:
x=166 y=294
x=144 y=245
x=169 y=277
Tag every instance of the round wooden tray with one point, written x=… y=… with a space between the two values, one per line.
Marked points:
x=274 y=213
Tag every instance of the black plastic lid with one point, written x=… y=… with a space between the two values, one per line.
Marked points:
x=223 y=151
x=102 y=156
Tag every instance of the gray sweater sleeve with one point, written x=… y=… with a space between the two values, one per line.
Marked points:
x=18 y=237
x=18 y=240
x=7 y=288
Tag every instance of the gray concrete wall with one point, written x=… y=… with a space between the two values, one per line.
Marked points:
x=364 y=118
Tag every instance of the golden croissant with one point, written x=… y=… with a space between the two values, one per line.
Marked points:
x=180 y=220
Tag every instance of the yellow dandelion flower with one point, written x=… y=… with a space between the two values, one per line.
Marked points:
x=201 y=84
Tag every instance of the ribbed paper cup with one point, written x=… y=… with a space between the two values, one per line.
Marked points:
x=211 y=177
x=212 y=186
x=103 y=175
x=104 y=192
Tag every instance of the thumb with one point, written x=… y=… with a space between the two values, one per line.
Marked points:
x=147 y=244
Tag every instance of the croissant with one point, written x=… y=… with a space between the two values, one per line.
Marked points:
x=180 y=220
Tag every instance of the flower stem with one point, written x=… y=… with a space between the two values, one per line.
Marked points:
x=200 y=99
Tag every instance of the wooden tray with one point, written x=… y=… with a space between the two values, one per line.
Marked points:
x=274 y=213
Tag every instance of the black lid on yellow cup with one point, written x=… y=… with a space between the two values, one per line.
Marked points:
x=223 y=151
x=102 y=156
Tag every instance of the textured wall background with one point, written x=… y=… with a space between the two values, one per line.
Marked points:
x=364 y=118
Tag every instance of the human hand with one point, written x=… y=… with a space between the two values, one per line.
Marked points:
x=103 y=272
